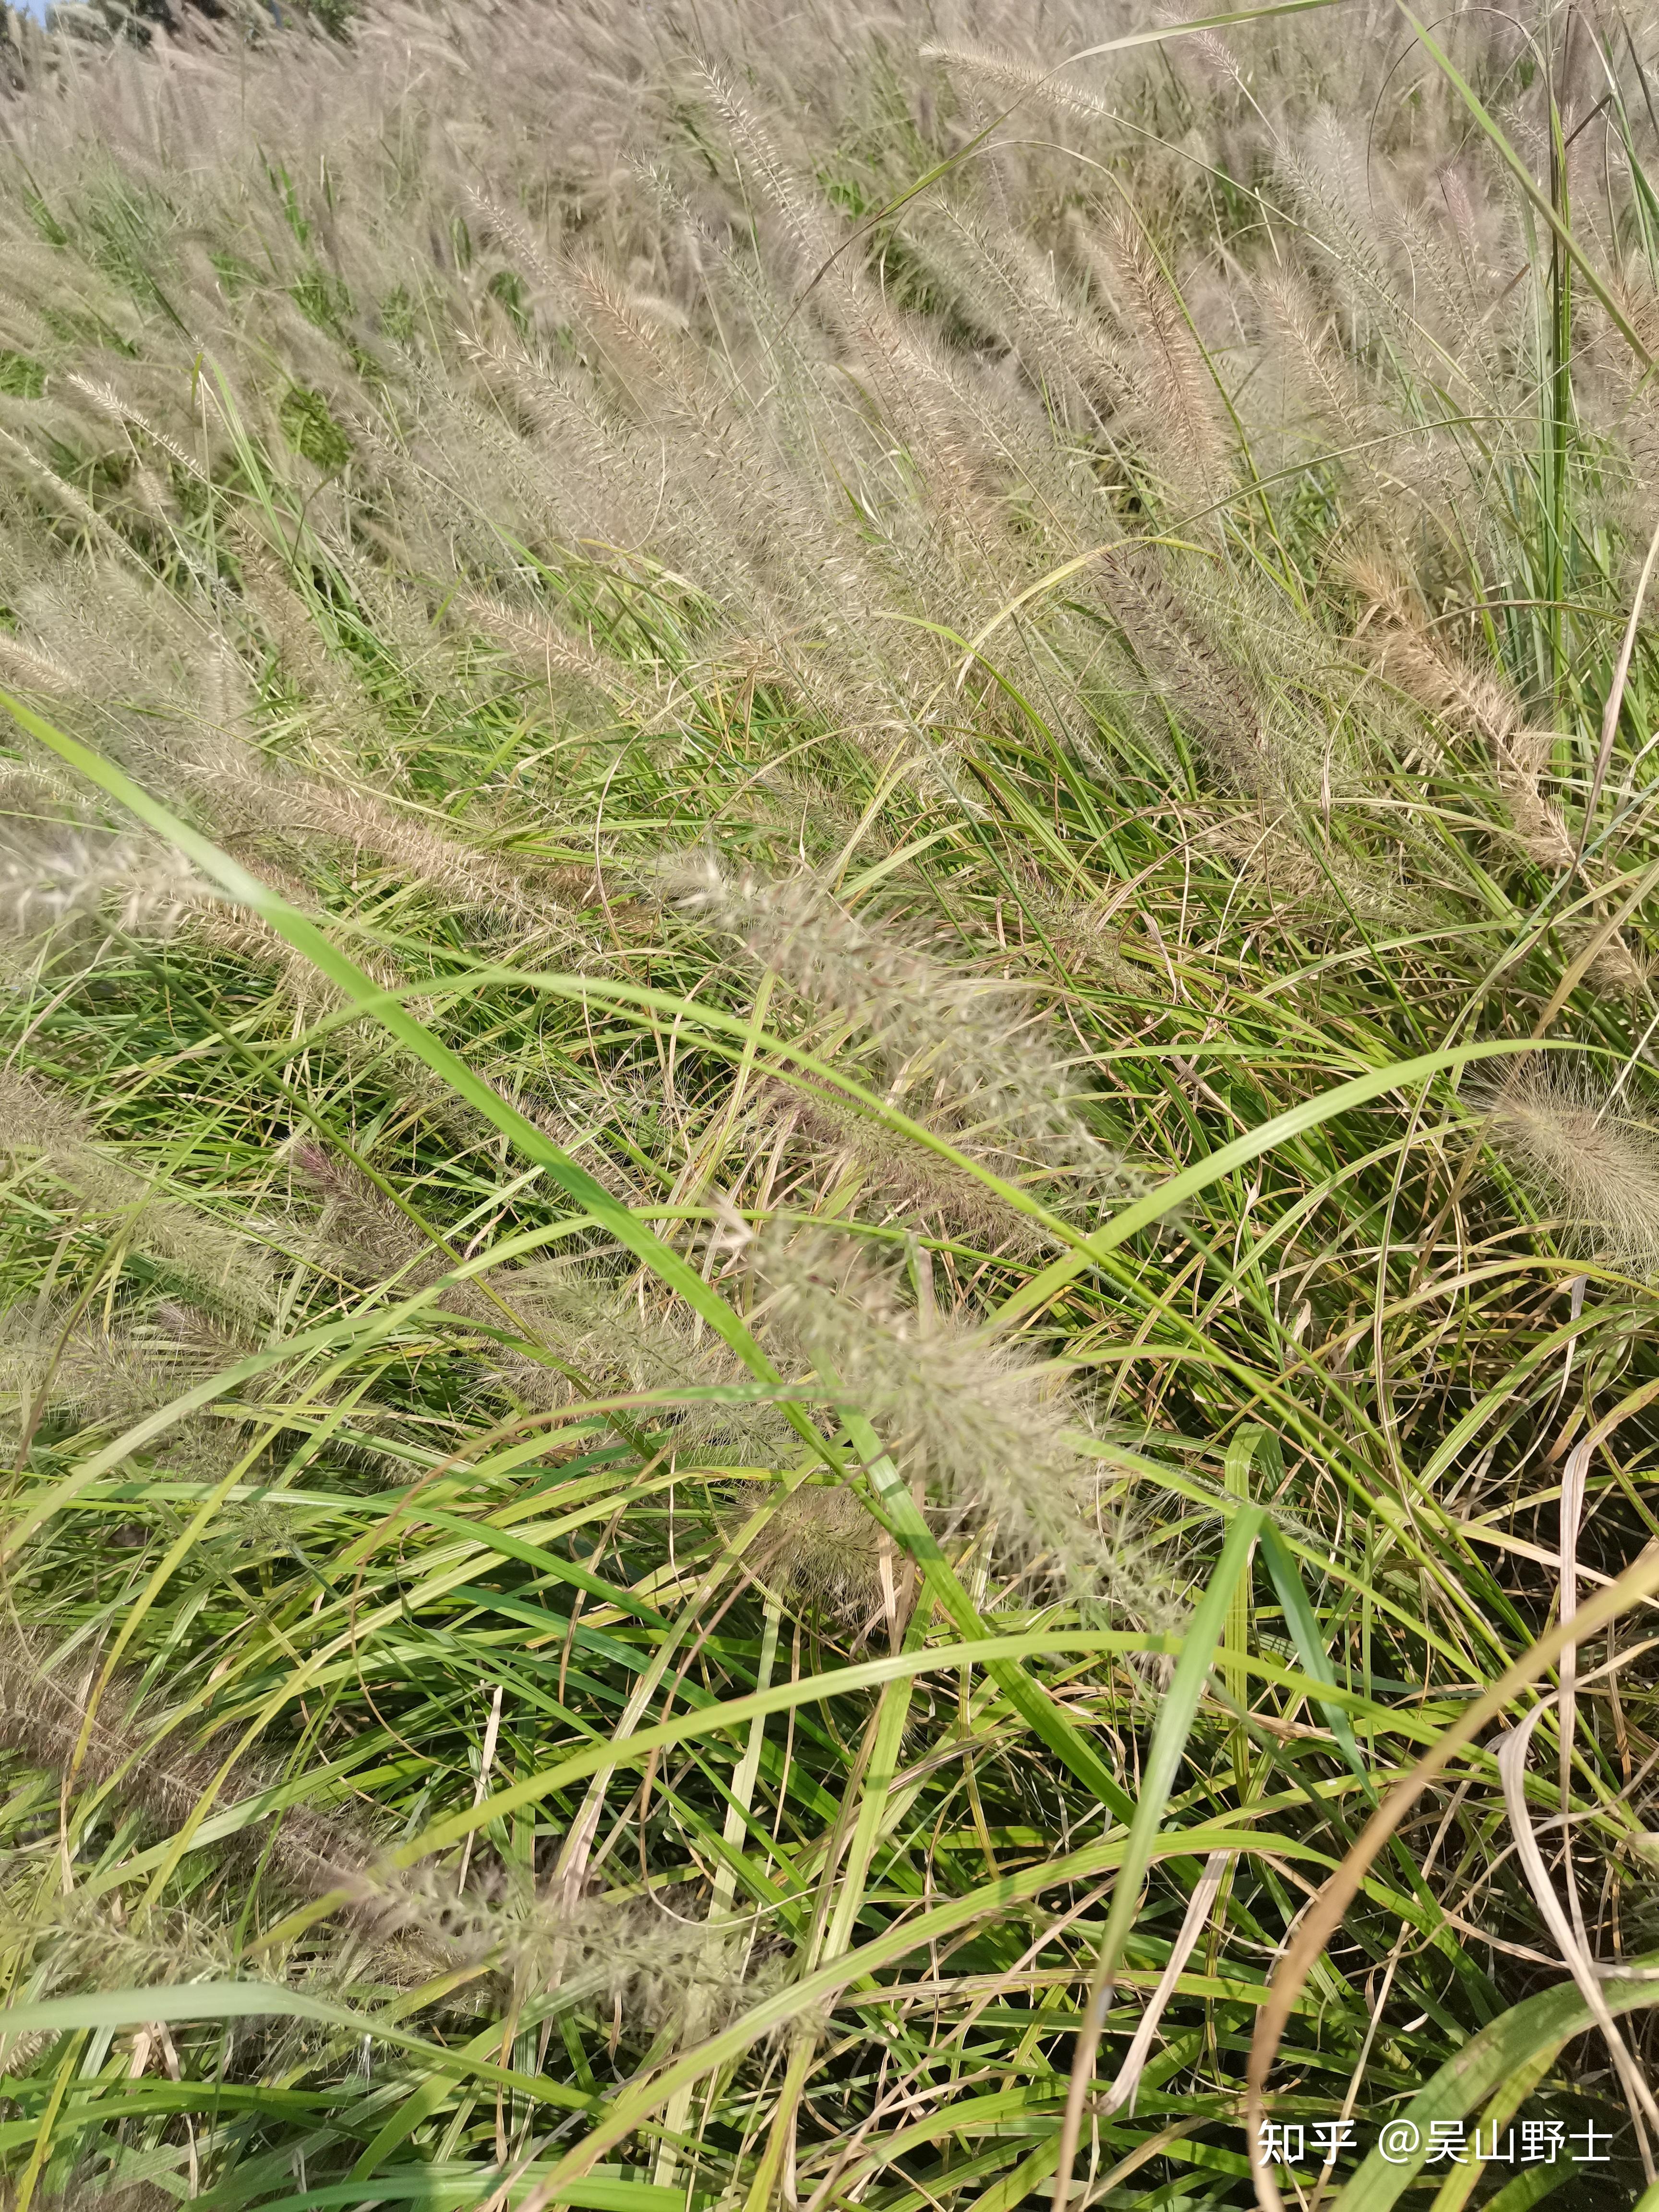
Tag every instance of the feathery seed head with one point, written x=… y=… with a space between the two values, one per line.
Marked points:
x=904 y=1177
x=1411 y=655
x=44 y=1718
x=1185 y=425
x=361 y=1229
x=54 y=873
x=1593 y=1157
x=987 y=1427
x=42 y=1715
x=618 y=1954
x=821 y=1545
x=1616 y=969
x=226 y=1270
x=970 y=1051
x=591 y=1322
x=73 y=1942
x=105 y=1376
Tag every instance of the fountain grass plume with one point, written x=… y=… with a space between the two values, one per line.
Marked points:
x=970 y=1053
x=50 y=1361
x=220 y=1266
x=986 y=1428
x=161 y=1772
x=901 y=1177
x=1589 y=1155
x=822 y=1547
x=600 y=1330
x=55 y=874
x=630 y=1959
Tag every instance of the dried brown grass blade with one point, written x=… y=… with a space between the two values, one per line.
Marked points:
x=1202 y=1903
x=1512 y=1772
x=1325 y=1917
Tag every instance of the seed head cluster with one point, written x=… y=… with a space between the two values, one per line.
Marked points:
x=1589 y=1156
x=53 y=875
x=972 y=1054
x=592 y=1331
x=986 y=1428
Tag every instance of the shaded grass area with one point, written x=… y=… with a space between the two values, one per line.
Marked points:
x=831 y=1171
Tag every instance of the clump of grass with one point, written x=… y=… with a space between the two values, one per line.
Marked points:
x=1107 y=581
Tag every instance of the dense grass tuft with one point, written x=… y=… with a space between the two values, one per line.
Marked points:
x=823 y=834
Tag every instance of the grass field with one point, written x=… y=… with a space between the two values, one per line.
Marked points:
x=831 y=1168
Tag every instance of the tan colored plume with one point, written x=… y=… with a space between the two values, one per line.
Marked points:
x=1587 y=1154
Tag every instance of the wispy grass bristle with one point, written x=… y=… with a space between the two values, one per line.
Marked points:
x=1591 y=1155
x=989 y=1429
x=824 y=1549
x=55 y=874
